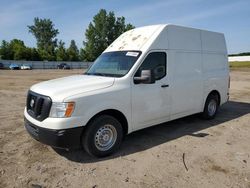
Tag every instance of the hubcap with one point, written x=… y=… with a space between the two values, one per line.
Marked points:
x=212 y=107
x=105 y=137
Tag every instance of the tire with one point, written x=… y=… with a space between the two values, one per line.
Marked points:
x=103 y=136
x=211 y=106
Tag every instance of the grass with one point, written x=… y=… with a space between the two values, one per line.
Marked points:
x=239 y=64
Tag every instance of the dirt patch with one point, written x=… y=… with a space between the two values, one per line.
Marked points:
x=219 y=169
x=217 y=152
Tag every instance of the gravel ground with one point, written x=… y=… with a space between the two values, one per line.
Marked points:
x=216 y=152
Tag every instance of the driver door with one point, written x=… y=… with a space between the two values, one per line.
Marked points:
x=151 y=102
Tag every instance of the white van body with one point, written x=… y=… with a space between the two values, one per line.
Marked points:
x=196 y=65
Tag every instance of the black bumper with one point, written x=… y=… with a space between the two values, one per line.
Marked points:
x=64 y=138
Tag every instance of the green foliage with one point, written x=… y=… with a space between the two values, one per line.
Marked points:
x=100 y=33
x=45 y=34
x=82 y=55
x=61 y=54
x=73 y=52
x=34 y=55
x=240 y=54
x=16 y=50
x=5 y=50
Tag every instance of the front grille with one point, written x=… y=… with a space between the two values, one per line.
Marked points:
x=38 y=106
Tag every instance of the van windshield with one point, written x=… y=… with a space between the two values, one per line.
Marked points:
x=114 y=64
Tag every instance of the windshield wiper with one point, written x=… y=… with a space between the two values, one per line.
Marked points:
x=99 y=74
x=96 y=74
x=86 y=73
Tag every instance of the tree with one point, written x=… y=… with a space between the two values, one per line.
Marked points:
x=240 y=54
x=82 y=55
x=5 y=51
x=13 y=50
x=18 y=50
x=73 y=52
x=100 y=33
x=61 y=54
x=45 y=34
x=33 y=54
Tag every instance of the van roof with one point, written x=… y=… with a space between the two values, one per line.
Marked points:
x=169 y=36
x=134 y=39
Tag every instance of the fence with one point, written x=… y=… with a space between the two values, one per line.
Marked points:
x=47 y=64
x=80 y=65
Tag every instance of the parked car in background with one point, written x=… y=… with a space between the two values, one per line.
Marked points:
x=1 y=66
x=26 y=67
x=63 y=66
x=14 y=66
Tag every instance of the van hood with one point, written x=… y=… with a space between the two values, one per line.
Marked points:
x=59 y=89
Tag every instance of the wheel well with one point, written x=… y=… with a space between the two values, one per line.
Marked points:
x=116 y=114
x=215 y=92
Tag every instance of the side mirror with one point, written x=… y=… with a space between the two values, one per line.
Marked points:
x=147 y=77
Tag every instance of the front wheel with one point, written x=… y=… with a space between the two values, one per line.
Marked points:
x=211 y=106
x=103 y=136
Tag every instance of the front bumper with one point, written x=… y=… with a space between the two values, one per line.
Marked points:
x=59 y=138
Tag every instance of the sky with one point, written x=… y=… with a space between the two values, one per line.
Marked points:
x=72 y=18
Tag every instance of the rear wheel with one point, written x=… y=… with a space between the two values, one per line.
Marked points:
x=103 y=136
x=211 y=106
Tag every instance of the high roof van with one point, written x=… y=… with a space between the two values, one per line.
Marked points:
x=148 y=75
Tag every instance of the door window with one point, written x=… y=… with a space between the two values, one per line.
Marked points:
x=156 y=62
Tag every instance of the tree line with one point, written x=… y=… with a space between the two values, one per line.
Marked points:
x=240 y=54
x=16 y=50
x=101 y=32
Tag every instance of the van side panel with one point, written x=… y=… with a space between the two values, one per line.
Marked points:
x=216 y=75
x=215 y=64
x=187 y=83
x=182 y=38
x=213 y=42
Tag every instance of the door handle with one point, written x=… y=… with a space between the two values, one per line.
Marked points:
x=164 y=85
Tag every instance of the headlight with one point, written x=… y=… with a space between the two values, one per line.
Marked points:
x=61 y=109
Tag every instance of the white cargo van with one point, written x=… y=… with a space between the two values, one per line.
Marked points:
x=147 y=76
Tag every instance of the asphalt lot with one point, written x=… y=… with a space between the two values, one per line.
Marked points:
x=216 y=152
